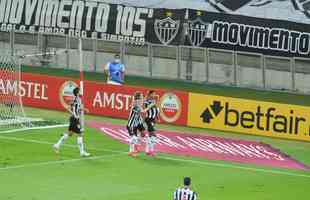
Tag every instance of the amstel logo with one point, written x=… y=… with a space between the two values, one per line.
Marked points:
x=170 y=107
x=66 y=93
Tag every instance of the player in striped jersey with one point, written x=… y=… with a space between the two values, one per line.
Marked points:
x=152 y=115
x=135 y=123
x=74 y=124
x=185 y=193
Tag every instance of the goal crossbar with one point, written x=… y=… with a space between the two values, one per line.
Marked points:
x=43 y=54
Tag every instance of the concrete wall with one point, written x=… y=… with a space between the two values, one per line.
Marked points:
x=192 y=64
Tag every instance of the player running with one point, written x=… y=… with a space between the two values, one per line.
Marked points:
x=75 y=124
x=152 y=115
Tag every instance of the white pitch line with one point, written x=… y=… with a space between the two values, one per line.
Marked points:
x=175 y=159
x=60 y=162
x=50 y=143
x=235 y=166
x=33 y=128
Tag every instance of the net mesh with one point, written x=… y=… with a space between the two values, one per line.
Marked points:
x=12 y=114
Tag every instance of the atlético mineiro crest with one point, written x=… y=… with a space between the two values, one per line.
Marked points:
x=303 y=6
x=166 y=29
x=197 y=31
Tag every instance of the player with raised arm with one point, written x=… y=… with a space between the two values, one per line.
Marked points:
x=75 y=124
x=152 y=115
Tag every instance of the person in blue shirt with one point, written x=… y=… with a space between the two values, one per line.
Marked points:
x=116 y=71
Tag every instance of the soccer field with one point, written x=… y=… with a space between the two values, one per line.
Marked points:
x=30 y=170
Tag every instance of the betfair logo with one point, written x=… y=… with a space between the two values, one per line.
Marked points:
x=264 y=119
x=207 y=115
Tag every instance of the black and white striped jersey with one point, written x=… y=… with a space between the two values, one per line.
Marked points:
x=135 y=117
x=76 y=107
x=153 y=112
x=184 y=194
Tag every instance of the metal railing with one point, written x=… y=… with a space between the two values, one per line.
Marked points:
x=240 y=69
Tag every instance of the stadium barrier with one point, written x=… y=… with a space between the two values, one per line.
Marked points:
x=249 y=116
x=101 y=99
x=179 y=108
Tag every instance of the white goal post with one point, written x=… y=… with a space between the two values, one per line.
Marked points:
x=12 y=113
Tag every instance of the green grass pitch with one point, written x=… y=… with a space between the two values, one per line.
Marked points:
x=29 y=169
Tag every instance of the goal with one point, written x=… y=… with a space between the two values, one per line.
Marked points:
x=12 y=114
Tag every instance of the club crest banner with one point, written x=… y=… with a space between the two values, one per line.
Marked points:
x=140 y=25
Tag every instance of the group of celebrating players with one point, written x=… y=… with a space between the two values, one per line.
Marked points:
x=144 y=110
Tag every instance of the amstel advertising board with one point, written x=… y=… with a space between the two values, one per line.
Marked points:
x=179 y=108
x=101 y=99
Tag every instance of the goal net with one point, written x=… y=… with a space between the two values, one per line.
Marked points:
x=13 y=117
x=12 y=114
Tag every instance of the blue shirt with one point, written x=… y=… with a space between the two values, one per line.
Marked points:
x=116 y=71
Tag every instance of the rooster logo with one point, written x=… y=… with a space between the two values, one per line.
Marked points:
x=303 y=6
x=230 y=6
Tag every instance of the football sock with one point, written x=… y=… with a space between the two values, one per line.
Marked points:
x=80 y=144
x=62 y=140
x=131 y=147
x=148 y=145
x=152 y=143
x=132 y=144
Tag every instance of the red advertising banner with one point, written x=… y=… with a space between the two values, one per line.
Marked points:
x=115 y=101
x=44 y=91
x=101 y=99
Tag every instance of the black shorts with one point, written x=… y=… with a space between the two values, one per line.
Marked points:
x=75 y=125
x=133 y=131
x=150 y=125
